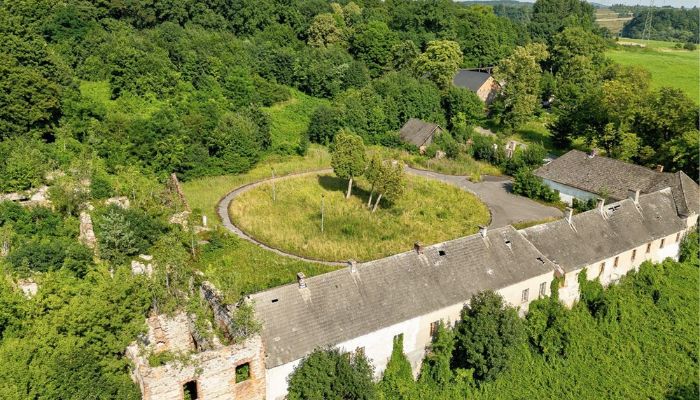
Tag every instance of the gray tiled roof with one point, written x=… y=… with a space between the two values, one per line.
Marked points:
x=468 y=79
x=592 y=237
x=417 y=131
x=614 y=177
x=342 y=305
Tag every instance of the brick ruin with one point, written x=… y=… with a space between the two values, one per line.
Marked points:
x=200 y=366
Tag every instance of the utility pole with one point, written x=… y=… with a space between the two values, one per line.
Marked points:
x=646 y=33
x=274 y=192
x=322 y=204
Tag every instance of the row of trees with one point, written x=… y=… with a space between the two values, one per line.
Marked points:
x=564 y=352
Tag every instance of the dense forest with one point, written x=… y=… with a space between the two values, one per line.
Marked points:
x=104 y=99
x=641 y=332
x=673 y=24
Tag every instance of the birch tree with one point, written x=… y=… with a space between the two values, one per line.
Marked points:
x=372 y=173
x=390 y=183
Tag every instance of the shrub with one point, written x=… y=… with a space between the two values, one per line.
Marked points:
x=330 y=374
x=50 y=255
x=489 y=329
x=690 y=248
x=485 y=148
x=325 y=123
x=525 y=183
x=690 y=46
x=100 y=187
x=122 y=233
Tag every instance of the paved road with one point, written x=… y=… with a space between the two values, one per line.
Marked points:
x=505 y=207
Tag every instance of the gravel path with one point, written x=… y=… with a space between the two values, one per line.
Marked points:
x=505 y=207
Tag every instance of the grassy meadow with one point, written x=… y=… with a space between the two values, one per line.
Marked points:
x=428 y=212
x=672 y=67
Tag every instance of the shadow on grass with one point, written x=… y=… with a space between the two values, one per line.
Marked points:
x=690 y=391
x=333 y=183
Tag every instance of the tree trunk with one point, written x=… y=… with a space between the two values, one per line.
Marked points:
x=371 y=193
x=377 y=203
x=347 y=196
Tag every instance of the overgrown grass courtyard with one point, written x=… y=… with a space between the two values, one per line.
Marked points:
x=428 y=212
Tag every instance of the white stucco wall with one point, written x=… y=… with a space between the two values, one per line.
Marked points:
x=378 y=345
x=569 y=293
x=568 y=193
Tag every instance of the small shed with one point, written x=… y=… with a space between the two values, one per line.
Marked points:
x=419 y=133
x=479 y=82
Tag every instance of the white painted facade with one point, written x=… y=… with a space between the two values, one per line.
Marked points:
x=378 y=345
x=567 y=193
x=610 y=270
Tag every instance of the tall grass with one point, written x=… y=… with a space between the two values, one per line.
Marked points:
x=204 y=193
x=428 y=212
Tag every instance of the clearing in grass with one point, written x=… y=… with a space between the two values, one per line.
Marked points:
x=428 y=212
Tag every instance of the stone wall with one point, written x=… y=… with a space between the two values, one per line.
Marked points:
x=212 y=371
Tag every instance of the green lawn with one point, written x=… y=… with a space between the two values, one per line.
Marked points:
x=290 y=119
x=428 y=212
x=668 y=66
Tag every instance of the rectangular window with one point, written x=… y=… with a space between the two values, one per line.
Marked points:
x=189 y=390
x=525 y=295
x=434 y=328
x=617 y=259
x=634 y=254
x=648 y=248
x=543 y=289
x=663 y=241
x=602 y=268
x=242 y=372
x=678 y=237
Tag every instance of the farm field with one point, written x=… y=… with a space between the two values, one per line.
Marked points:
x=668 y=66
x=428 y=212
x=607 y=18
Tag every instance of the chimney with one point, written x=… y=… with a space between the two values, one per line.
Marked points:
x=418 y=248
x=659 y=168
x=634 y=195
x=600 y=205
x=593 y=153
x=483 y=230
x=353 y=266
x=301 y=279
x=569 y=215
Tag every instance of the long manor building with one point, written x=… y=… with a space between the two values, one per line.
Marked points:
x=364 y=306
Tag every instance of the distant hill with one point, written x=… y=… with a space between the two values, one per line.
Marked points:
x=509 y=3
x=673 y=24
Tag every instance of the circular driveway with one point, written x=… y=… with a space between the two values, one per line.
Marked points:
x=505 y=207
